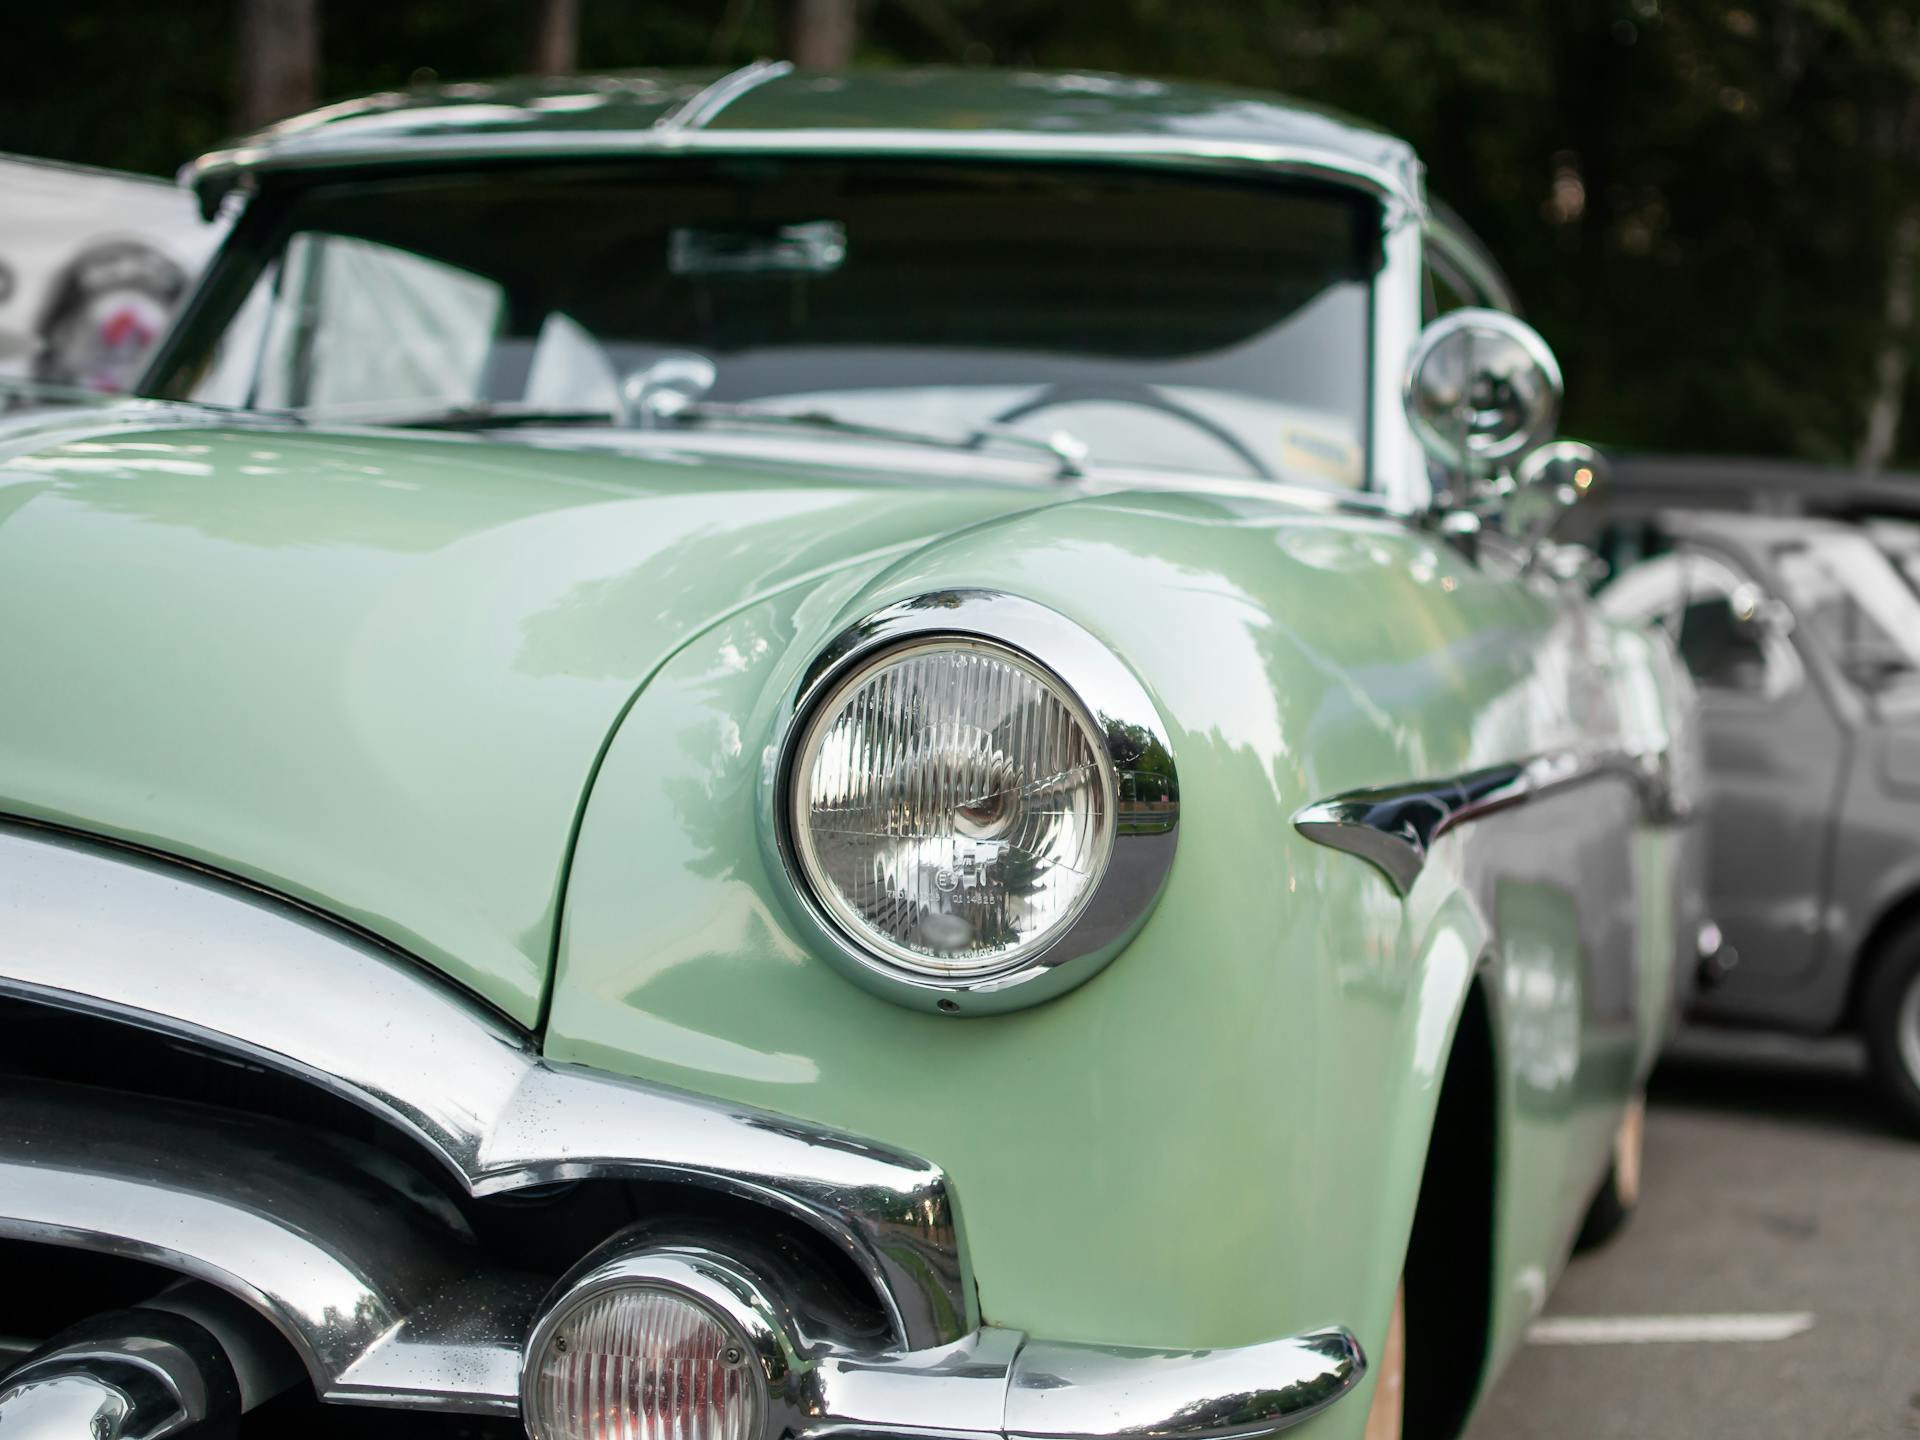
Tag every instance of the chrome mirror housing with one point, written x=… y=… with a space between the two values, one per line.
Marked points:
x=1482 y=389
x=1759 y=613
x=1555 y=483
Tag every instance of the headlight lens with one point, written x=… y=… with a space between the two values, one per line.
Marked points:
x=642 y=1363
x=952 y=807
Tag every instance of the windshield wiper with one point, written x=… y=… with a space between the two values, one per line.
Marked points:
x=484 y=415
x=1069 y=452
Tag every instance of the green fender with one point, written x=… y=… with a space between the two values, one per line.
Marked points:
x=1219 y=1138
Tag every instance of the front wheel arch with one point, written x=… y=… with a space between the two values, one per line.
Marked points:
x=1886 y=1022
x=1450 y=1256
x=1891 y=926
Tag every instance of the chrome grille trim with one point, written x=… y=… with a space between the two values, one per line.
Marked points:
x=131 y=937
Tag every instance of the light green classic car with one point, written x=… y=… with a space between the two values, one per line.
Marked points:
x=773 y=756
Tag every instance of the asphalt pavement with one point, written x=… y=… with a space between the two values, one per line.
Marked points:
x=1777 y=1204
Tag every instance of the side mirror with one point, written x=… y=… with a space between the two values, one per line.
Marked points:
x=1481 y=390
x=1553 y=488
x=1758 y=613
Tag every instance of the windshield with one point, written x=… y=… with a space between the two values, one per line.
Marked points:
x=1158 y=318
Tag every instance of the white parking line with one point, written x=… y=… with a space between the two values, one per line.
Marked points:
x=1667 y=1329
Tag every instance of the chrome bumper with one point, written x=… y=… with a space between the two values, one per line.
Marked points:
x=384 y=1304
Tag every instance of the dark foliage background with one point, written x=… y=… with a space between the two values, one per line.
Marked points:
x=1711 y=207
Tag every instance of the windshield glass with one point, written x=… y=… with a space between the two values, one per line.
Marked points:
x=1163 y=319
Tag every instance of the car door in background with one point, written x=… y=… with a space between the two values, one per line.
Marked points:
x=1776 y=755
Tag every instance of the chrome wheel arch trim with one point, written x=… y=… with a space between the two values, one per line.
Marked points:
x=130 y=937
x=1147 y=816
x=1394 y=827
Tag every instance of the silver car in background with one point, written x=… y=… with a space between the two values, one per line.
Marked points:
x=1802 y=635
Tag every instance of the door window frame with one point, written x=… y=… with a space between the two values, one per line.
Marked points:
x=1659 y=590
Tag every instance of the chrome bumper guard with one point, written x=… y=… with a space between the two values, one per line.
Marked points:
x=384 y=1303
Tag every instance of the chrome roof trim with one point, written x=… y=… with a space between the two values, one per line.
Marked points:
x=699 y=110
x=1394 y=827
x=1399 y=186
x=131 y=937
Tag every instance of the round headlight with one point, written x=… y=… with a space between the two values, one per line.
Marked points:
x=953 y=807
x=641 y=1362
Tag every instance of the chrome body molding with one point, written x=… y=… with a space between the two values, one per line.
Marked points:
x=387 y=1301
x=127 y=1375
x=1146 y=788
x=999 y=1383
x=380 y=1303
x=1394 y=827
x=996 y=1384
x=200 y=958
x=1063 y=1391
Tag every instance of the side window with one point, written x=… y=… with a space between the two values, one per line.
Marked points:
x=1722 y=648
x=1716 y=616
x=1852 y=603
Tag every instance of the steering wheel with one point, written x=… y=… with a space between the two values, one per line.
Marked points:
x=1144 y=396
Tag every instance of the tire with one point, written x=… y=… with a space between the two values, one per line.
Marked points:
x=1613 y=1204
x=1386 y=1415
x=1890 y=1023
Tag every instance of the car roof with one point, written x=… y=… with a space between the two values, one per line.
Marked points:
x=1747 y=527
x=1728 y=485
x=769 y=107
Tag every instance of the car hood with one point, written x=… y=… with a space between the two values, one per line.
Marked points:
x=375 y=672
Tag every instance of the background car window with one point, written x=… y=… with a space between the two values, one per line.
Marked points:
x=1721 y=649
x=1718 y=618
x=1900 y=539
x=1854 y=605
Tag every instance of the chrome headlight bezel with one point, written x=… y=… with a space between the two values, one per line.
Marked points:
x=1141 y=782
